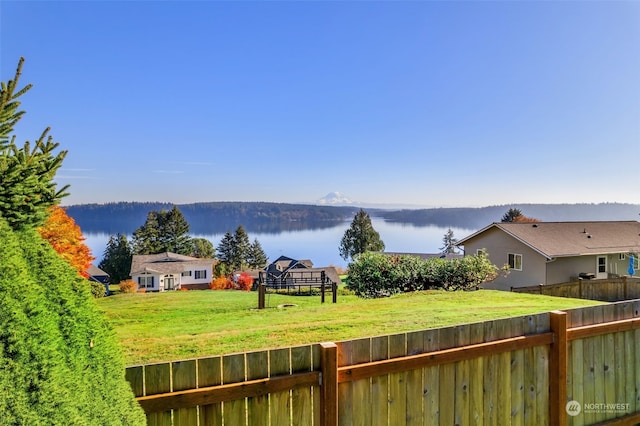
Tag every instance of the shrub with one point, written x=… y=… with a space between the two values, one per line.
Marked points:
x=220 y=283
x=128 y=286
x=245 y=282
x=380 y=275
x=98 y=290
x=59 y=355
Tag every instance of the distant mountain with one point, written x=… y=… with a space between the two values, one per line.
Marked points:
x=335 y=199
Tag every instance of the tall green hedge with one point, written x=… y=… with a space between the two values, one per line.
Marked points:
x=59 y=359
x=375 y=274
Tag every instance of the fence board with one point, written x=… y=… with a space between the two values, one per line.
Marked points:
x=184 y=377
x=575 y=369
x=529 y=324
x=631 y=354
x=210 y=374
x=490 y=378
x=379 y=384
x=279 y=403
x=598 y=361
x=609 y=350
x=316 y=391
x=258 y=406
x=620 y=354
x=476 y=378
x=345 y=390
x=158 y=380
x=461 y=409
x=135 y=377
x=361 y=389
x=415 y=345
x=447 y=377
x=397 y=383
x=517 y=378
x=503 y=377
x=301 y=398
x=589 y=375
x=233 y=371
x=542 y=372
x=431 y=381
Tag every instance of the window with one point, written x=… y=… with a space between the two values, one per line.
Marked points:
x=515 y=261
x=186 y=273
x=201 y=274
x=622 y=256
x=145 y=281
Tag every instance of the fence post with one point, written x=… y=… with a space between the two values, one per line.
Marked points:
x=329 y=387
x=558 y=369
x=262 y=289
x=335 y=292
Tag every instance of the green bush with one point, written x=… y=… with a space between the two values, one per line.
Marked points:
x=59 y=359
x=379 y=275
x=98 y=290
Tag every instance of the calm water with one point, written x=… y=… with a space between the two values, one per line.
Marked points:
x=322 y=246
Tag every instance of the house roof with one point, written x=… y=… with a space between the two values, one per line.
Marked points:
x=564 y=239
x=94 y=271
x=166 y=263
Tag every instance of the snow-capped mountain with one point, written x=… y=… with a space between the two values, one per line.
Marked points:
x=335 y=199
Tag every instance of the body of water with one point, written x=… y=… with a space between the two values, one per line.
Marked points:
x=322 y=245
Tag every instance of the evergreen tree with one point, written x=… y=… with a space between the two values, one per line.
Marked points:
x=449 y=243
x=163 y=231
x=60 y=360
x=511 y=215
x=256 y=257
x=175 y=232
x=27 y=189
x=241 y=247
x=202 y=248
x=226 y=248
x=116 y=260
x=360 y=237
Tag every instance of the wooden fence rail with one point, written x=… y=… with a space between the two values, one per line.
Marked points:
x=575 y=367
x=606 y=290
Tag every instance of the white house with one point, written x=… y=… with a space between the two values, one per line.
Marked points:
x=170 y=271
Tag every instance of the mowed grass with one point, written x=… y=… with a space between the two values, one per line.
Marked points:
x=168 y=326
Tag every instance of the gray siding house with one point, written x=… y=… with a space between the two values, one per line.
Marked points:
x=556 y=252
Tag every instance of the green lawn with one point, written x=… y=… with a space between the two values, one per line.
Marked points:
x=168 y=326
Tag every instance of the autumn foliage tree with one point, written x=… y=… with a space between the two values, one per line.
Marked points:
x=515 y=215
x=66 y=238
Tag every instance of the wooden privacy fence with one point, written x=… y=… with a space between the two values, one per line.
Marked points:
x=577 y=367
x=606 y=290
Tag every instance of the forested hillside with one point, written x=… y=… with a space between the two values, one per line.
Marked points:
x=213 y=217
x=474 y=218
x=263 y=217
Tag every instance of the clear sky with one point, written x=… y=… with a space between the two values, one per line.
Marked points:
x=434 y=103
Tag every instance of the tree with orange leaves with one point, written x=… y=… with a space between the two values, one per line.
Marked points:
x=66 y=238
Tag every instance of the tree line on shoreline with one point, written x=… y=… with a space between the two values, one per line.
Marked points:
x=273 y=218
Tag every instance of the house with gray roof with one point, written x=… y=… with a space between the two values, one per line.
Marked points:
x=170 y=271
x=555 y=252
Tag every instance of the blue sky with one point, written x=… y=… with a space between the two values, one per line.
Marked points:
x=418 y=102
